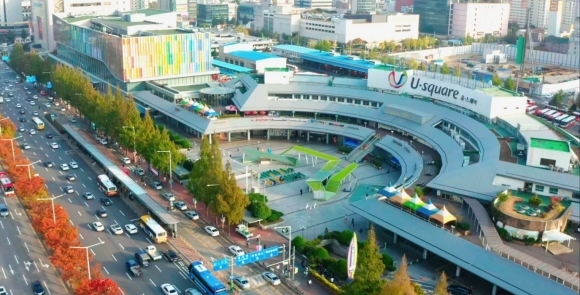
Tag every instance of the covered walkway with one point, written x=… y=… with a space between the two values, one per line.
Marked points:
x=492 y=241
x=228 y=68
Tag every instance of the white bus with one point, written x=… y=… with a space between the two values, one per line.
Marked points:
x=38 y=124
x=153 y=229
x=106 y=185
x=560 y=118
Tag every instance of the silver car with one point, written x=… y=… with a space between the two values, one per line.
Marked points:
x=242 y=282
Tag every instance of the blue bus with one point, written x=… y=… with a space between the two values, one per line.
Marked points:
x=205 y=280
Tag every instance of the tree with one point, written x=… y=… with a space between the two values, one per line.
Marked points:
x=457 y=72
x=496 y=80
x=370 y=268
x=445 y=69
x=202 y=174
x=468 y=40
x=99 y=286
x=24 y=34
x=558 y=98
x=10 y=36
x=401 y=283
x=441 y=287
x=17 y=58
x=233 y=196
x=323 y=45
x=509 y=84
x=422 y=66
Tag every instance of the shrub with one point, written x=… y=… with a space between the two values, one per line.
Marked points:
x=308 y=250
x=260 y=210
x=325 y=282
x=503 y=197
x=320 y=253
x=344 y=237
x=463 y=225
x=185 y=143
x=535 y=201
x=299 y=242
x=188 y=165
x=257 y=198
x=274 y=216
x=388 y=262
x=344 y=149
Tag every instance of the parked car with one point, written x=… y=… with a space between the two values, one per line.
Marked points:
x=157 y=185
x=192 y=215
x=212 y=231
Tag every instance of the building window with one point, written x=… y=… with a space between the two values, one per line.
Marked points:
x=553 y=190
x=539 y=188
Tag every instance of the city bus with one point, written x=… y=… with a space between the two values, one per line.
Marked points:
x=153 y=229
x=6 y=184
x=548 y=113
x=531 y=109
x=205 y=280
x=292 y=68
x=38 y=124
x=559 y=119
x=568 y=122
x=539 y=112
x=553 y=116
x=106 y=185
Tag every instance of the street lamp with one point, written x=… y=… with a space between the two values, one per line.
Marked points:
x=134 y=145
x=223 y=220
x=1 y=124
x=52 y=201
x=28 y=165
x=12 y=144
x=170 y=169
x=87 y=249
x=289 y=229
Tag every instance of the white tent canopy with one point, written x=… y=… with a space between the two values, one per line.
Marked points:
x=555 y=235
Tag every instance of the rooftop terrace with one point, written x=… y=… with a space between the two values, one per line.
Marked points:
x=552 y=145
x=497 y=91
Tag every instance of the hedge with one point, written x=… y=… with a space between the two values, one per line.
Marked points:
x=325 y=282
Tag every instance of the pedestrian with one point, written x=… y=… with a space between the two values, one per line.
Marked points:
x=301 y=192
x=345 y=217
x=265 y=246
x=360 y=231
x=326 y=231
x=309 y=282
x=352 y=221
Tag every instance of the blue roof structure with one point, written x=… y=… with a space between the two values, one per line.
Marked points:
x=324 y=57
x=228 y=66
x=252 y=55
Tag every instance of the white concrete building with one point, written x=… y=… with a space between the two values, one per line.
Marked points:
x=518 y=12
x=479 y=19
x=546 y=153
x=279 y=19
x=256 y=42
x=539 y=12
x=571 y=11
x=574 y=43
x=26 y=11
x=395 y=27
x=363 y=6
x=555 y=20
x=42 y=11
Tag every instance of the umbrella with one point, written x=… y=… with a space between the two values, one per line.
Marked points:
x=443 y=216
x=428 y=209
x=415 y=203
x=401 y=197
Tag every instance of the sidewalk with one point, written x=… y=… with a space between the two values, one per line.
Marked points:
x=268 y=238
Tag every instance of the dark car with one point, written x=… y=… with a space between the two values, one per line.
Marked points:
x=102 y=213
x=70 y=177
x=22 y=112
x=458 y=290
x=106 y=201
x=37 y=288
x=49 y=164
x=22 y=119
x=171 y=256
x=49 y=135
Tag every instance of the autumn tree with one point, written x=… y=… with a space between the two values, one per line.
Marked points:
x=233 y=200
x=401 y=283
x=370 y=268
x=7 y=129
x=101 y=286
x=441 y=287
x=200 y=175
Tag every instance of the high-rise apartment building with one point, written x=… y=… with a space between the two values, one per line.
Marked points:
x=181 y=7
x=574 y=44
x=571 y=11
x=519 y=12
x=139 y=4
x=540 y=13
x=433 y=16
x=479 y=19
x=11 y=15
x=42 y=11
x=555 y=17
x=363 y=6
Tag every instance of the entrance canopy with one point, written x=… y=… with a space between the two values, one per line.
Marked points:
x=443 y=216
x=555 y=235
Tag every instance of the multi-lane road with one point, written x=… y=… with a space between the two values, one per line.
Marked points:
x=114 y=251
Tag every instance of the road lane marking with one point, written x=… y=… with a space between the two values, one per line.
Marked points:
x=123 y=293
x=130 y=278
x=16 y=259
x=25 y=280
x=124 y=249
x=149 y=280
x=158 y=268
x=90 y=226
x=114 y=257
x=97 y=217
x=149 y=241
x=115 y=221
x=11 y=270
x=53 y=179
x=19 y=232
x=34 y=262
x=87 y=204
x=41 y=148
x=3 y=272
x=106 y=270
x=177 y=289
x=122 y=213
x=82 y=169
x=47 y=154
x=33 y=153
x=60 y=158
x=69 y=200
x=79 y=213
x=46 y=287
x=2 y=224
x=83 y=185
x=101 y=241
x=82 y=238
x=45 y=183
x=9 y=243
x=109 y=231
x=26 y=245
x=89 y=178
x=128 y=236
x=77 y=193
x=71 y=222
x=93 y=252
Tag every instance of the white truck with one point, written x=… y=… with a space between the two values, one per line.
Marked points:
x=244 y=231
x=153 y=253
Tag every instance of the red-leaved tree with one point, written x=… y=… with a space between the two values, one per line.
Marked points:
x=99 y=286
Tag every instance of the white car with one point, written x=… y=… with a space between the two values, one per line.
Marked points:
x=35 y=113
x=116 y=229
x=47 y=105
x=64 y=167
x=168 y=289
x=157 y=185
x=26 y=146
x=54 y=145
x=35 y=96
x=271 y=278
x=7 y=99
x=18 y=105
x=212 y=231
x=192 y=215
x=103 y=141
x=98 y=226
x=89 y=196
x=56 y=103
x=131 y=228
x=69 y=189
x=180 y=205
x=126 y=160
x=32 y=103
x=32 y=131
x=74 y=165
x=242 y=282
x=236 y=250
x=21 y=129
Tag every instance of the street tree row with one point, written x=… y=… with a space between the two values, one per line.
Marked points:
x=216 y=186
x=55 y=230
x=30 y=64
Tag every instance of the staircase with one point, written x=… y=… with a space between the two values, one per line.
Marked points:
x=363 y=149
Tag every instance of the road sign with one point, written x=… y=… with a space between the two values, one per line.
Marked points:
x=221 y=264
x=257 y=256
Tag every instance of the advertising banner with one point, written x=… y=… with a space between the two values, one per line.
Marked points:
x=352 y=256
